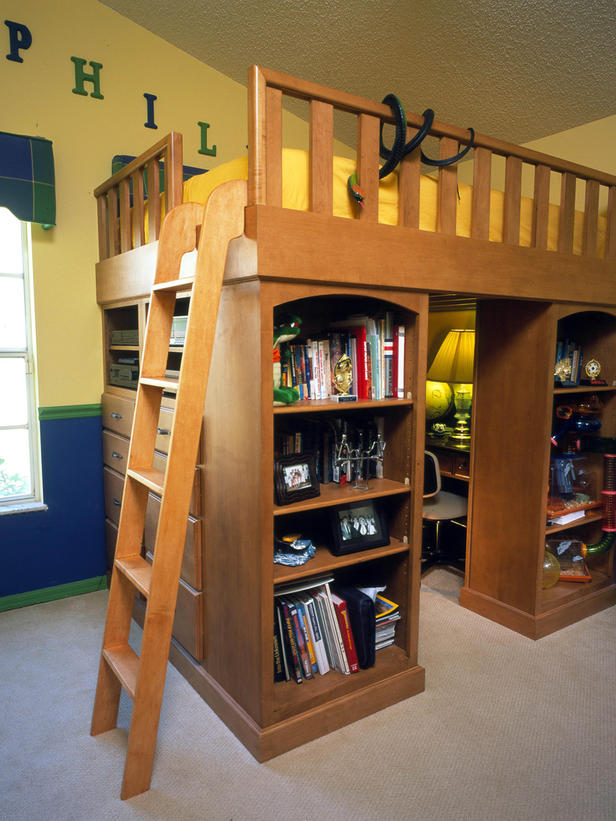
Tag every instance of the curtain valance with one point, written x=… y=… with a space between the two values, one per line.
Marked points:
x=27 y=178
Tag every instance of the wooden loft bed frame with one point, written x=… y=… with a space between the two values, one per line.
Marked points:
x=317 y=246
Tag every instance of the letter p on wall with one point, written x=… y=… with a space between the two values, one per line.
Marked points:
x=20 y=38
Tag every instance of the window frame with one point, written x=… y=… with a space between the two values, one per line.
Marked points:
x=34 y=499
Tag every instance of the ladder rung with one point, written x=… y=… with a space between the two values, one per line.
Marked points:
x=138 y=571
x=154 y=479
x=170 y=385
x=183 y=284
x=125 y=664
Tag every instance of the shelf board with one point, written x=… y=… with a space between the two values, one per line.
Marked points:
x=583 y=520
x=124 y=348
x=307 y=405
x=291 y=698
x=333 y=494
x=325 y=562
x=585 y=389
x=564 y=593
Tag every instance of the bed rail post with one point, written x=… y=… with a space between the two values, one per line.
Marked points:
x=256 y=136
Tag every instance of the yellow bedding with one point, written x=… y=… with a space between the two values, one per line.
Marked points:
x=295 y=174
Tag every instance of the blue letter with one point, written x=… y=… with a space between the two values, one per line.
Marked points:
x=150 y=121
x=20 y=38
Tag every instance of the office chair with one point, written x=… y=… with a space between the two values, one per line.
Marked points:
x=439 y=506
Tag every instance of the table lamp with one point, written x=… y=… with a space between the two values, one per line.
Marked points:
x=454 y=364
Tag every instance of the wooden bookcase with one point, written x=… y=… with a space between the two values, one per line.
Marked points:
x=513 y=420
x=241 y=517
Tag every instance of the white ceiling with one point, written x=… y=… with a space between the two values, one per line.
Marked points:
x=514 y=69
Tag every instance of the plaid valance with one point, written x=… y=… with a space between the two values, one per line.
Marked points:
x=27 y=179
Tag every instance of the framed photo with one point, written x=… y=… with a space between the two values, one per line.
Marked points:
x=358 y=526
x=295 y=478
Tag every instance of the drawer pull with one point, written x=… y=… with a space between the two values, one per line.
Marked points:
x=117 y=503
x=116 y=455
x=115 y=415
x=162 y=432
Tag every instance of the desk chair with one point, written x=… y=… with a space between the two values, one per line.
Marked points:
x=439 y=506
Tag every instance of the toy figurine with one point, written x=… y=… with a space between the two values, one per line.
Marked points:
x=284 y=333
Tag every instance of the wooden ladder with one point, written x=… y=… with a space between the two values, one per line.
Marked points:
x=143 y=675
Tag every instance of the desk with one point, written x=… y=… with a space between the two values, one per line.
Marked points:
x=453 y=457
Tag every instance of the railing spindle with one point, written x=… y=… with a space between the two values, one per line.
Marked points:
x=368 y=165
x=591 y=219
x=447 y=188
x=482 y=174
x=567 y=214
x=321 y=196
x=409 y=178
x=513 y=200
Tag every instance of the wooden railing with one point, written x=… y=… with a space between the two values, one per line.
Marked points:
x=121 y=200
x=266 y=90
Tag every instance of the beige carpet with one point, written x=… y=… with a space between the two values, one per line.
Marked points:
x=507 y=729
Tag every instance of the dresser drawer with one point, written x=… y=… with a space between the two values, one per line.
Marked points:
x=160 y=463
x=188 y=622
x=165 y=422
x=113 y=487
x=191 y=562
x=115 y=451
x=117 y=413
x=111 y=538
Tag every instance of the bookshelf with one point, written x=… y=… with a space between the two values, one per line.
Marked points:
x=240 y=518
x=511 y=456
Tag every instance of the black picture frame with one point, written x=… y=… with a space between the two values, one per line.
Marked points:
x=358 y=526
x=295 y=478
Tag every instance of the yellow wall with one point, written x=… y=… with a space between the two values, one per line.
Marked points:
x=36 y=98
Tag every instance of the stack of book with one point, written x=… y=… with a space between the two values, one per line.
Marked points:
x=387 y=614
x=315 y=630
x=375 y=346
x=312 y=632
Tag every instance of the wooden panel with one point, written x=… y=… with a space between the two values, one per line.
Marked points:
x=138 y=209
x=368 y=166
x=321 y=157
x=111 y=537
x=591 y=216
x=159 y=462
x=447 y=188
x=153 y=170
x=421 y=260
x=513 y=199
x=115 y=451
x=566 y=214
x=192 y=558
x=126 y=276
x=125 y=216
x=610 y=228
x=113 y=487
x=482 y=173
x=507 y=513
x=117 y=413
x=188 y=621
x=541 y=207
x=273 y=146
x=409 y=186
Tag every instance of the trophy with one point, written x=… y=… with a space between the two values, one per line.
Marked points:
x=356 y=459
x=343 y=380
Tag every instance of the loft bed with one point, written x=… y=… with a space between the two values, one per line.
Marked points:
x=541 y=252
x=501 y=248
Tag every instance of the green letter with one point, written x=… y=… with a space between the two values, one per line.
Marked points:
x=81 y=77
x=211 y=152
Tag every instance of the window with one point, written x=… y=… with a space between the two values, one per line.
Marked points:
x=20 y=482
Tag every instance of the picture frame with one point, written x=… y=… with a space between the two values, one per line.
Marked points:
x=358 y=526
x=295 y=478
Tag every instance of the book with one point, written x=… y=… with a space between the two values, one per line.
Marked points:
x=399 y=353
x=290 y=644
x=346 y=633
x=279 y=634
x=280 y=669
x=318 y=643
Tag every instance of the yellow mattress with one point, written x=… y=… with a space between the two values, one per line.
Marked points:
x=295 y=174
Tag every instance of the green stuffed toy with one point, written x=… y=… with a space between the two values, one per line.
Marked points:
x=284 y=333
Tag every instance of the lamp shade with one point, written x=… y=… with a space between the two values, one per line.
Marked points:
x=454 y=360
